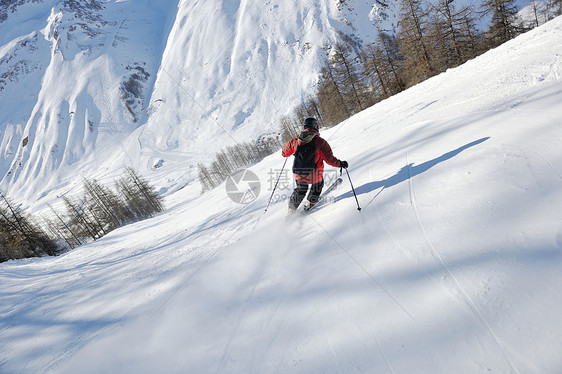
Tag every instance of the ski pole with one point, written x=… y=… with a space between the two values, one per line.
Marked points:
x=276 y=183
x=353 y=189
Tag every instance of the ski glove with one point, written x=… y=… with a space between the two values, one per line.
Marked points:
x=344 y=164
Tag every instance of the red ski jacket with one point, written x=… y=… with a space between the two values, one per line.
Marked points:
x=323 y=153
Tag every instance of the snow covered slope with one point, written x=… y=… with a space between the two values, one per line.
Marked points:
x=87 y=88
x=230 y=70
x=76 y=78
x=452 y=266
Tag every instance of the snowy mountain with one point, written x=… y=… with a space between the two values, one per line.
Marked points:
x=90 y=87
x=452 y=265
x=87 y=88
x=75 y=78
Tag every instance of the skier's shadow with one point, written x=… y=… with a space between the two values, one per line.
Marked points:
x=407 y=172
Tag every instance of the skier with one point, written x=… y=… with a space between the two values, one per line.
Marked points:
x=310 y=152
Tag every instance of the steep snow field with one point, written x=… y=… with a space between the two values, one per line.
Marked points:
x=230 y=70
x=87 y=88
x=75 y=79
x=452 y=266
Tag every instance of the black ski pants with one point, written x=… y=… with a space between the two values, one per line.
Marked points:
x=300 y=191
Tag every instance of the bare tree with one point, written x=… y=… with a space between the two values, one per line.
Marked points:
x=286 y=128
x=345 y=72
x=504 y=21
x=331 y=99
x=554 y=7
x=60 y=228
x=80 y=220
x=19 y=237
x=140 y=196
x=453 y=34
x=414 y=43
x=390 y=49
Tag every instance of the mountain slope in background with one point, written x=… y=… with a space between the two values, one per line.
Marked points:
x=452 y=266
x=77 y=75
x=87 y=88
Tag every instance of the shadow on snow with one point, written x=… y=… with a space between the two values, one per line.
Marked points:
x=407 y=172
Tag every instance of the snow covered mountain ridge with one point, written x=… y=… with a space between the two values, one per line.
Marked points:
x=89 y=87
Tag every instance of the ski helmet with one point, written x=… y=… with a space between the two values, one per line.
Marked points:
x=311 y=123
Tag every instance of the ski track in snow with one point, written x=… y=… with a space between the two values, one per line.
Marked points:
x=364 y=232
x=223 y=362
x=456 y=284
x=361 y=267
x=364 y=273
x=455 y=271
x=547 y=162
